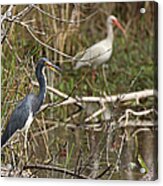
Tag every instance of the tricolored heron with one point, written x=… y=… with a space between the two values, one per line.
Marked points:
x=25 y=111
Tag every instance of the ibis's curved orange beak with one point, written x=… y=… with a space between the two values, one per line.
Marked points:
x=117 y=23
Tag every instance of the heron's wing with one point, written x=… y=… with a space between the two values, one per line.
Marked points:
x=17 y=120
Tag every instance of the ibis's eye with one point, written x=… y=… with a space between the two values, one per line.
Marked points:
x=114 y=21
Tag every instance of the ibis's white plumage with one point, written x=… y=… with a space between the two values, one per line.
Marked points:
x=100 y=52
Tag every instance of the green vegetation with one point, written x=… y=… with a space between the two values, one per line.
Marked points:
x=130 y=69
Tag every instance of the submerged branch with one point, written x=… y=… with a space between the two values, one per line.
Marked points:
x=54 y=168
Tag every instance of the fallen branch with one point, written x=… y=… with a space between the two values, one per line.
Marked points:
x=121 y=98
x=106 y=99
x=112 y=99
x=102 y=100
x=60 y=94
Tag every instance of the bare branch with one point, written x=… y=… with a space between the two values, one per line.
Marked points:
x=140 y=113
x=10 y=18
x=4 y=17
x=20 y=14
x=95 y=114
x=7 y=14
x=41 y=42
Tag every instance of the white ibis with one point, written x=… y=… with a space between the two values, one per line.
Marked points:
x=100 y=52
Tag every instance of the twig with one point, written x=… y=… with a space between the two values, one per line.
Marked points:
x=140 y=113
x=20 y=14
x=134 y=80
x=139 y=123
x=95 y=114
x=118 y=157
x=140 y=130
x=54 y=168
x=41 y=42
x=6 y=14
x=13 y=50
x=10 y=18
x=103 y=173
x=65 y=20
x=24 y=12
x=4 y=17
x=88 y=126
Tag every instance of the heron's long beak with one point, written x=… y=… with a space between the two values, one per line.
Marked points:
x=117 y=23
x=53 y=67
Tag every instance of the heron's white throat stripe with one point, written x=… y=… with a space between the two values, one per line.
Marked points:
x=43 y=71
x=29 y=121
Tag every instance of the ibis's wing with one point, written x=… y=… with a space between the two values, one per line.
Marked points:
x=94 y=52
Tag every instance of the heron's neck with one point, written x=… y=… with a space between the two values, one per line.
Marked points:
x=110 y=35
x=42 y=84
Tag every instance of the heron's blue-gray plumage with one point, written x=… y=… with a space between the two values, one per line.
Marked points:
x=30 y=104
x=17 y=120
x=28 y=107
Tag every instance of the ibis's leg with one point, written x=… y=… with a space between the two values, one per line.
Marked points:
x=93 y=74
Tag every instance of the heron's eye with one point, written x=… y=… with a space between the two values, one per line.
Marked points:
x=47 y=63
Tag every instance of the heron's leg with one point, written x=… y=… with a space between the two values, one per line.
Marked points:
x=13 y=154
x=25 y=144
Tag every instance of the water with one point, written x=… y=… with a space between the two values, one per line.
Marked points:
x=89 y=152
